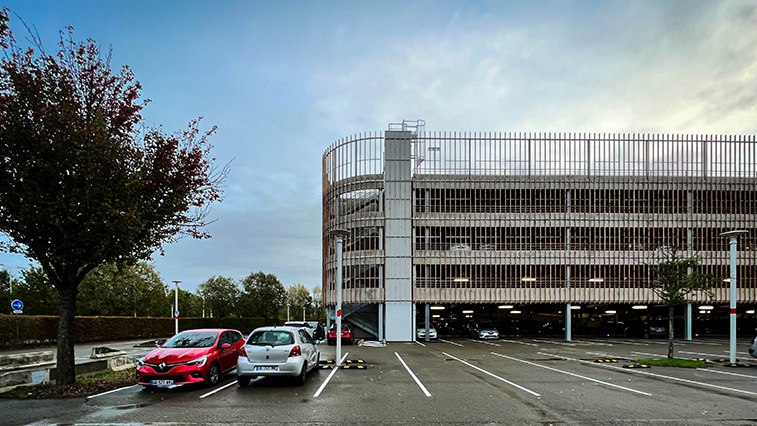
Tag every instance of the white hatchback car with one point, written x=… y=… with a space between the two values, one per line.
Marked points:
x=277 y=351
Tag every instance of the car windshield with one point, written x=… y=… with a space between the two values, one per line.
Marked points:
x=271 y=337
x=192 y=340
x=487 y=326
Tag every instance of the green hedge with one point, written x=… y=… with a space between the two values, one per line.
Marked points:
x=33 y=330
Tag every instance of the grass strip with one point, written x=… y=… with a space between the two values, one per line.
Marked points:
x=673 y=362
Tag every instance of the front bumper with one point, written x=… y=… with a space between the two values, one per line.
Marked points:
x=180 y=374
x=292 y=367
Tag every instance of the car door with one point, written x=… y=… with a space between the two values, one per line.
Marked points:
x=227 y=357
x=309 y=350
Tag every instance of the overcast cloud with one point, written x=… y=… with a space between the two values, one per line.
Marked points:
x=285 y=80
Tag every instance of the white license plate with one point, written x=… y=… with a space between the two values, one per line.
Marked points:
x=161 y=382
x=265 y=368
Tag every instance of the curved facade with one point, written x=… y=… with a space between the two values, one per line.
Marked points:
x=484 y=218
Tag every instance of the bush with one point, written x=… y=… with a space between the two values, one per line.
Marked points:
x=33 y=330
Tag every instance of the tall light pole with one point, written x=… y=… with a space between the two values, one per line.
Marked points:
x=339 y=234
x=303 y=313
x=176 y=306
x=733 y=237
x=287 y=311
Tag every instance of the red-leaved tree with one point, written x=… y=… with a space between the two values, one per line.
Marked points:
x=81 y=182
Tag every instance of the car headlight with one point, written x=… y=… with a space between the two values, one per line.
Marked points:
x=141 y=361
x=199 y=361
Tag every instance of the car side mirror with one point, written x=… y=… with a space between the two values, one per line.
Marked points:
x=225 y=346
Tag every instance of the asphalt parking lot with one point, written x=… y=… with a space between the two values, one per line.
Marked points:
x=537 y=381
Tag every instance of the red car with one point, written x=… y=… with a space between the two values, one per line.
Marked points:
x=191 y=356
x=348 y=336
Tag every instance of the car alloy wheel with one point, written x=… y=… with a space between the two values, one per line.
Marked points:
x=214 y=374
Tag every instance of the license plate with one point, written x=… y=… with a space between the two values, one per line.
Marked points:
x=161 y=382
x=266 y=368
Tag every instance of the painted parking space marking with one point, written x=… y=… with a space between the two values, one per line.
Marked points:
x=572 y=374
x=590 y=342
x=325 y=382
x=111 y=391
x=218 y=390
x=420 y=343
x=423 y=388
x=627 y=342
x=484 y=343
x=519 y=342
x=749 y=376
x=553 y=342
x=678 y=379
x=493 y=375
x=696 y=342
x=607 y=355
x=699 y=353
x=451 y=343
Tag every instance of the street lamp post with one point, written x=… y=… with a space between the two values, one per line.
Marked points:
x=733 y=237
x=176 y=306
x=339 y=234
x=288 y=311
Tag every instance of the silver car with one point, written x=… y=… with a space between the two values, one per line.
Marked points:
x=420 y=332
x=277 y=351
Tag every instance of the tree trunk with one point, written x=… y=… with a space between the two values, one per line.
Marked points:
x=66 y=373
x=670 y=331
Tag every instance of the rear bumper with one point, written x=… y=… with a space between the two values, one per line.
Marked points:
x=292 y=367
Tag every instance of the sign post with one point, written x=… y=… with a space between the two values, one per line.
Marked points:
x=176 y=304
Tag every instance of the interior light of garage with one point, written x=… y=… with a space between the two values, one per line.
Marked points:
x=505 y=306
x=750 y=312
x=574 y=307
x=706 y=307
x=639 y=307
x=596 y=280
x=461 y=280
x=467 y=312
x=435 y=316
x=528 y=279
x=514 y=312
x=611 y=312
x=437 y=308
x=726 y=280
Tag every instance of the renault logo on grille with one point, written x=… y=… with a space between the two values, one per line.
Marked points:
x=162 y=365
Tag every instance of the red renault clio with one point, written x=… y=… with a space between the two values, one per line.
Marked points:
x=191 y=356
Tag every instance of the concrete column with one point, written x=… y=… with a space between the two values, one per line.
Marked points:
x=428 y=321
x=381 y=321
x=568 y=317
x=687 y=331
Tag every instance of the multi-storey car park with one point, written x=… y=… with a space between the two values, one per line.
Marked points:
x=534 y=231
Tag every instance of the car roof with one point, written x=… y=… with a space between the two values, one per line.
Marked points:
x=207 y=330
x=276 y=327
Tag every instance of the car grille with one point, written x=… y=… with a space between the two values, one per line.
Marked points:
x=176 y=379
x=165 y=369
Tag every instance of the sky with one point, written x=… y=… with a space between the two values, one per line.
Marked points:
x=284 y=80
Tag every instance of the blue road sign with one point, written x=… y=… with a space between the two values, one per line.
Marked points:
x=17 y=305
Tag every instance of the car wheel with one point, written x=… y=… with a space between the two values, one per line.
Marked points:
x=243 y=381
x=302 y=377
x=646 y=335
x=214 y=374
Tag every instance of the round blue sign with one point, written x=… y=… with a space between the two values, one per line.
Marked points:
x=17 y=305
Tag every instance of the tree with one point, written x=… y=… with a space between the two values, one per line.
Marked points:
x=37 y=292
x=190 y=304
x=123 y=290
x=298 y=297
x=80 y=184
x=220 y=295
x=263 y=296
x=675 y=279
x=319 y=311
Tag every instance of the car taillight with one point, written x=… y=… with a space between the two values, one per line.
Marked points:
x=346 y=333
x=296 y=351
x=242 y=352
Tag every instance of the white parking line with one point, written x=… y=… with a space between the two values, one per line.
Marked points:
x=571 y=374
x=420 y=343
x=666 y=355
x=695 y=342
x=423 y=388
x=493 y=375
x=699 y=353
x=624 y=342
x=218 y=390
x=607 y=355
x=636 y=371
x=553 y=342
x=485 y=343
x=111 y=391
x=520 y=343
x=451 y=343
x=323 y=385
x=728 y=373
x=590 y=342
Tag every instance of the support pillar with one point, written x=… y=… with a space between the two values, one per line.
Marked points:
x=687 y=333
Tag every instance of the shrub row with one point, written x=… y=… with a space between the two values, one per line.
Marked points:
x=32 y=330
